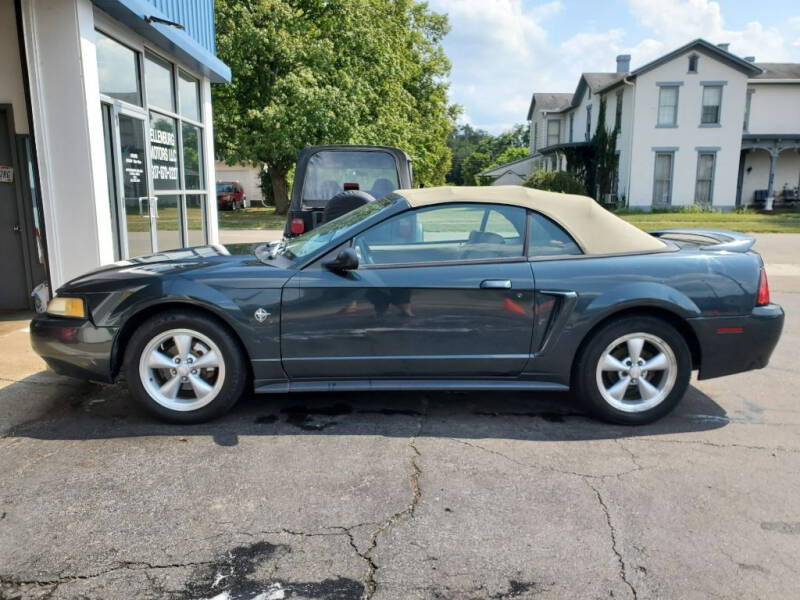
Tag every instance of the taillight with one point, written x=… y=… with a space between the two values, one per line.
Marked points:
x=763 y=289
x=297 y=226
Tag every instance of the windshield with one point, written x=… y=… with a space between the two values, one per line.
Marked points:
x=338 y=229
x=225 y=187
x=328 y=170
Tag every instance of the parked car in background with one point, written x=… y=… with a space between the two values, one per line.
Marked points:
x=332 y=180
x=230 y=195
x=442 y=288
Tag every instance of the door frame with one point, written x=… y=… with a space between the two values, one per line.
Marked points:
x=22 y=221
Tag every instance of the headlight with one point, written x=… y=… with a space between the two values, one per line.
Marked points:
x=67 y=307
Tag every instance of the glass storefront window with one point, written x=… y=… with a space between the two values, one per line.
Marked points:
x=192 y=157
x=158 y=82
x=118 y=70
x=195 y=219
x=168 y=222
x=164 y=152
x=189 y=95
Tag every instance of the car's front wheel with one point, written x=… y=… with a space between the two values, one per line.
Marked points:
x=633 y=371
x=185 y=367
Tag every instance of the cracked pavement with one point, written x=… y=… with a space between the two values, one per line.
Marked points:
x=403 y=495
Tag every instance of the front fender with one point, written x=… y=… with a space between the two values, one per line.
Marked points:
x=235 y=306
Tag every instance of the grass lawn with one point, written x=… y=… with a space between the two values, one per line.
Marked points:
x=255 y=217
x=748 y=221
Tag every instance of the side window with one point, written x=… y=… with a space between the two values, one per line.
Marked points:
x=546 y=238
x=451 y=232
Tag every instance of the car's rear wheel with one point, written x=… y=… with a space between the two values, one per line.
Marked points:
x=633 y=370
x=185 y=367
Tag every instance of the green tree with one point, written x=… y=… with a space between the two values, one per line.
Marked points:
x=465 y=141
x=604 y=151
x=474 y=164
x=510 y=155
x=308 y=72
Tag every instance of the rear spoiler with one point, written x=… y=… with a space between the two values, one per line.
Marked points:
x=729 y=241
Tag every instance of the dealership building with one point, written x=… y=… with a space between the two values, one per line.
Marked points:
x=106 y=141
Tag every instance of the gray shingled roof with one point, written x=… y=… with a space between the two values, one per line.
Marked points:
x=598 y=81
x=778 y=71
x=549 y=101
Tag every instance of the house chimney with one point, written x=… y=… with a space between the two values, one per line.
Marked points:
x=724 y=47
x=623 y=63
x=750 y=59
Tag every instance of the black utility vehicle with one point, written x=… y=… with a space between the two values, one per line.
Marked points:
x=332 y=180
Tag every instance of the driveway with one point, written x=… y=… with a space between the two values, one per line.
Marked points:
x=404 y=495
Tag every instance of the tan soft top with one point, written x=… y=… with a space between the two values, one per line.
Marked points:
x=597 y=230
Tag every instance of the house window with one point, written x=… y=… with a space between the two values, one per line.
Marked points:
x=553 y=132
x=704 y=187
x=618 y=115
x=662 y=180
x=668 y=106
x=693 y=63
x=712 y=103
x=588 y=134
x=571 y=124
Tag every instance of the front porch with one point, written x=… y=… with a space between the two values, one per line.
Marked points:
x=769 y=167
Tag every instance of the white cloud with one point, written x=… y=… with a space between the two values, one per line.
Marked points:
x=675 y=22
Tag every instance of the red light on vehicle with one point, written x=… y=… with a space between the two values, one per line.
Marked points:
x=297 y=226
x=730 y=329
x=351 y=185
x=763 y=289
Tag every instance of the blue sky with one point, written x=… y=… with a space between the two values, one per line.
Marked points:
x=504 y=50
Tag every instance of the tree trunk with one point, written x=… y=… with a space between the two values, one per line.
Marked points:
x=279 y=189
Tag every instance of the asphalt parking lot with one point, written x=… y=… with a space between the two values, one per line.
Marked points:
x=404 y=495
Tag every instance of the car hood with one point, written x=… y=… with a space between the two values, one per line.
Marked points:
x=189 y=262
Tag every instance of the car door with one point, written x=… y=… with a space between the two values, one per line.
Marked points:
x=441 y=291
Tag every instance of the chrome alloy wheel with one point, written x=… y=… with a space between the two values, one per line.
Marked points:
x=636 y=372
x=182 y=369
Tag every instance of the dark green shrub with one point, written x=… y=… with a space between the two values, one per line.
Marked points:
x=556 y=181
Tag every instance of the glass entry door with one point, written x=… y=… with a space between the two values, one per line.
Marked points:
x=146 y=218
x=139 y=209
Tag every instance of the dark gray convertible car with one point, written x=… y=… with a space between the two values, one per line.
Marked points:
x=440 y=288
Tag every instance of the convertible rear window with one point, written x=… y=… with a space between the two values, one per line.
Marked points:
x=546 y=238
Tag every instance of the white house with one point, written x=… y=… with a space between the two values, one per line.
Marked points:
x=698 y=125
x=106 y=141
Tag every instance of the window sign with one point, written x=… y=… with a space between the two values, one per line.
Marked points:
x=6 y=174
x=163 y=152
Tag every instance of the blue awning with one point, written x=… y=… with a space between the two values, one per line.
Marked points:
x=177 y=42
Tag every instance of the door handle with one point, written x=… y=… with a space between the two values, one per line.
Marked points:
x=496 y=284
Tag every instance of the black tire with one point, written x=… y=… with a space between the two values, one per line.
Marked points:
x=343 y=202
x=234 y=361
x=585 y=370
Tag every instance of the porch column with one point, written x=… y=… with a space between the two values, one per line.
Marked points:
x=773 y=159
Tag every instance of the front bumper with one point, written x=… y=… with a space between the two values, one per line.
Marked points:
x=734 y=344
x=74 y=347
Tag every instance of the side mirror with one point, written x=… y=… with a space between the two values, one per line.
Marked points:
x=346 y=260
